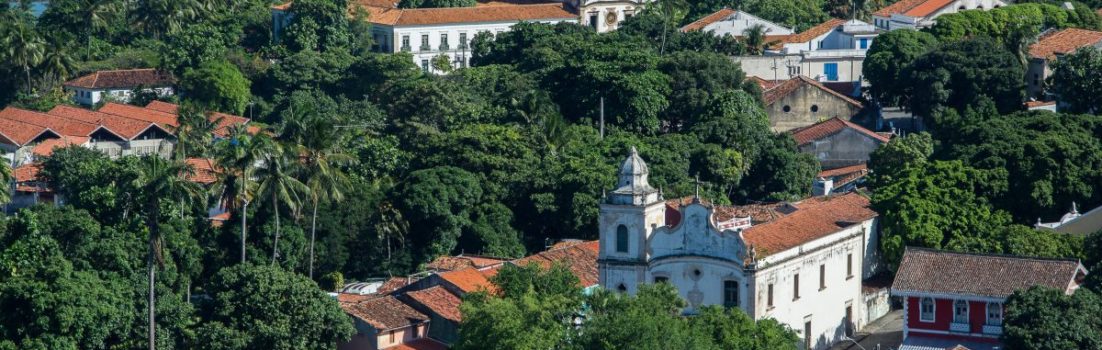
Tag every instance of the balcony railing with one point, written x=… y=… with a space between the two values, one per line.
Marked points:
x=406 y=48
x=445 y=47
x=992 y=329
x=425 y=48
x=959 y=327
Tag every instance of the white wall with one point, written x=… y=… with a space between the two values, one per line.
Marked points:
x=89 y=97
x=850 y=65
x=603 y=10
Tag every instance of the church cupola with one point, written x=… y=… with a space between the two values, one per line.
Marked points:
x=632 y=186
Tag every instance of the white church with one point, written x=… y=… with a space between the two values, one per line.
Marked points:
x=802 y=264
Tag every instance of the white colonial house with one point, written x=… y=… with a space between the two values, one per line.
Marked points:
x=735 y=23
x=119 y=85
x=606 y=15
x=918 y=14
x=831 y=52
x=800 y=263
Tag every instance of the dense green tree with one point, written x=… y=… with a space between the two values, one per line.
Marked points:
x=218 y=85
x=780 y=172
x=1077 y=80
x=696 y=79
x=1028 y=241
x=797 y=14
x=160 y=17
x=960 y=74
x=193 y=47
x=887 y=61
x=890 y=161
x=437 y=203
x=1042 y=319
x=1092 y=260
x=91 y=181
x=264 y=306
x=23 y=47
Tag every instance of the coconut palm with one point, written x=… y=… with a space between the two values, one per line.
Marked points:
x=160 y=17
x=23 y=47
x=57 y=61
x=316 y=140
x=672 y=12
x=390 y=225
x=97 y=15
x=195 y=132
x=160 y=179
x=236 y=157
x=276 y=184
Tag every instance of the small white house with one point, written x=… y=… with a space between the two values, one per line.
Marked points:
x=734 y=23
x=118 y=85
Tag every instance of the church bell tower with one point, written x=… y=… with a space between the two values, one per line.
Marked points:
x=628 y=217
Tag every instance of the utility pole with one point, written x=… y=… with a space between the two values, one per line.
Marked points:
x=602 y=118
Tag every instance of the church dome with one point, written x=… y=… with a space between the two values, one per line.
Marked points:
x=633 y=165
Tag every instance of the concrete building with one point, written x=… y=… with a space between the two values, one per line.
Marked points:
x=831 y=52
x=954 y=300
x=801 y=101
x=803 y=268
x=832 y=35
x=119 y=85
x=918 y=14
x=1050 y=47
x=838 y=143
x=735 y=23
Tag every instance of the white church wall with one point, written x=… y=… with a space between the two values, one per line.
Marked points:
x=700 y=280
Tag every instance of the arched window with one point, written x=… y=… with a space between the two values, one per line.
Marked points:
x=926 y=309
x=960 y=311
x=622 y=239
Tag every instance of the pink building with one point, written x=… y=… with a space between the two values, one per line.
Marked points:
x=383 y=322
x=956 y=299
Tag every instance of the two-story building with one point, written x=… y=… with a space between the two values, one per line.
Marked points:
x=803 y=268
x=831 y=52
x=957 y=299
x=918 y=14
x=119 y=85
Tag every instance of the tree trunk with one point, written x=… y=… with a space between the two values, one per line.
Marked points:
x=152 y=300
x=275 y=245
x=313 y=233
x=27 y=71
x=244 y=215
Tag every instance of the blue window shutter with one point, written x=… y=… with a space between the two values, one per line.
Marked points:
x=831 y=71
x=864 y=43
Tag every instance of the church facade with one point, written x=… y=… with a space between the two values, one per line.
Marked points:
x=803 y=267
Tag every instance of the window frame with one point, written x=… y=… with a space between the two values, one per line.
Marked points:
x=922 y=313
x=849 y=266
x=769 y=296
x=796 y=287
x=728 y=285
x=622 y=241
x=998 y=306
x=822 y=277
x=967 y=306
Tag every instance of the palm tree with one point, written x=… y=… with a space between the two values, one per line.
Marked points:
x=159 y=17
x=672 y=12
x=160 y=179
x=316 y=140
x=754 y=38
x=195 y=131
x=390 y=225
x=23 y=47
x=97 y=15
x=6 y=177
x=236 y=157
x=274 y=181
x=57 y=61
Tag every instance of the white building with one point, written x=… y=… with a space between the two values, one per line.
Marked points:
x=833 y=51
x=803 y=268
x=119 y=85
x=918 y=14
x=734 y=23
x=605 y=15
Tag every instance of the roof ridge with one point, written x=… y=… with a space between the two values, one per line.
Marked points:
x=990 y=255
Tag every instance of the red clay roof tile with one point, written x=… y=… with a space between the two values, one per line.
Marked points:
x=934 y=271
x=125 y=127
x=709 y=19
x=20 y=133
x=440 y=301
x=791 y=85
x=812 y=219
x=60 y=125
x=1063 y=42
x=927 y=8
x=167 y=120
x=898 y=7
x=468 y=280
x=829 y=127
x=384 y=313
x=123 y=78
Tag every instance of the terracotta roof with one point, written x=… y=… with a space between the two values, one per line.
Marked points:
x=451 y=263
x=845 y=175
x=225 y=121
x=1063 y=42
x=46 y=147
x=927 y=8
x=468 y=280
x=813 y=218
x=409 y=17
x=898 y=7
x=709 y=19
x=580 y=259
x=1035 y=104
x=384 y=313
x=791 y=85
x=203 y=170
x=758 y=213
x=126 y=128
x=765 y=84
x=133 y=112
x=162 y=106
x=124 y=78
x=814 y=32
x=420 y=344
x=62 y=126
x=933 y=271
x=26 y=178
x=828 y=127
x=354 y=298
x=21 y=133
x=440 y=301
x=394 y=283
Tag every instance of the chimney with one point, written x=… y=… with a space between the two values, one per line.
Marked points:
x=822 y=187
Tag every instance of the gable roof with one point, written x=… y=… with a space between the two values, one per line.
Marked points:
x=21 y=133
x=46 y=147
x=1063 y=42
x=791 y=85
x=845 y=175
x=468 y=280
x=162 y=106
x=927 y=271
x=927 y=8
x=163 y=119
x=503 y=13
x=384 y=313
x=709 y=19
x=580 y=259
x=823 y=129
x=812 y=219
x=814 y=32
x=451 y=263
x=123 y=78
x=225 y=121
x=203 y=170
x=439 y=301
x=126 y=128
x=898 y=7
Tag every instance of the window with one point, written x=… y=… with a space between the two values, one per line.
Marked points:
x=622 y=288
x=622 y=239
x=849 y=266
x=831 y=71
x=769 y=296
x=807 y=335
x=462 y=40
x=863 y=43
x=593 y=20
x=425 y=66
x=392 y=336
x=730 y=293
x=444 y=42
x=960 y=311
x=661 y=279
x=814 y=108
x=926 y=309
x=995 y=314
x=822 y=277
x=425 y=42
x=794 y=71
x=405 y=43
x=796 y=286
